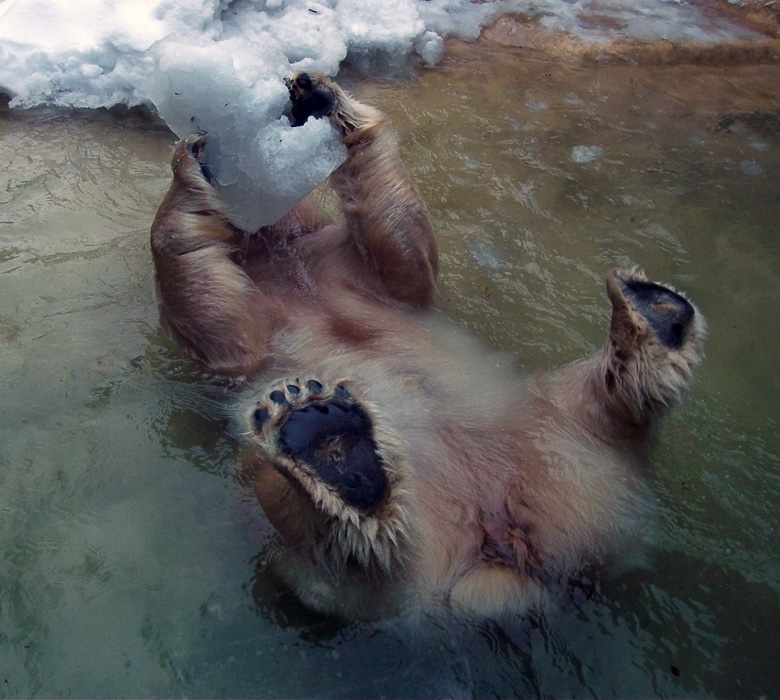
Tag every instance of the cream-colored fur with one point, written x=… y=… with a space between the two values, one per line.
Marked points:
x=498 y=484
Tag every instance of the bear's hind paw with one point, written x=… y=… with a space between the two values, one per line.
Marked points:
x=669 y=314
x=325 y=434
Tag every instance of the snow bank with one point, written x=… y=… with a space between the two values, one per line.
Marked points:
x=218 y=65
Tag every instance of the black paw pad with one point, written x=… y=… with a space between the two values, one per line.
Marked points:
x=335 y=439
x=309 y=99
x=667 y=312
x=278 y=397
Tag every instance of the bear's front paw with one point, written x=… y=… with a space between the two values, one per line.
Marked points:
x=312 y=95
x=327 y=437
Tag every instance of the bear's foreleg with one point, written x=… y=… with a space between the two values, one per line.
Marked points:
x=207 y=302
x=385 y=215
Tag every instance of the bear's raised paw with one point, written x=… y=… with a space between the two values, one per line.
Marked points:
x=312 y=95
x=189 y=159
x=315 y=95
x=323 y=435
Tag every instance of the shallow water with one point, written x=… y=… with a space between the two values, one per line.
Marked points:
x=132 y=561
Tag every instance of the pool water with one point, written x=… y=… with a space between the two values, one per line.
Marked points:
x=133 y=559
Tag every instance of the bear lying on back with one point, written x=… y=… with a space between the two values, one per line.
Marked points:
x=402 y=467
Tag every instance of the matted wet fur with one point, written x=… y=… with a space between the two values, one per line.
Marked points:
x=403 y=465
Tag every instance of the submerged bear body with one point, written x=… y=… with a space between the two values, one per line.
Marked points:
x=403 y=464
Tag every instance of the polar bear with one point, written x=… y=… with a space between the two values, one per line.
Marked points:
x=403 y=466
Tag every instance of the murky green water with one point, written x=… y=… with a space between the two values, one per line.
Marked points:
x=131 y=559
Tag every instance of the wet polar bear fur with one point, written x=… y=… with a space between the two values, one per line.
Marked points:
x=403 y=466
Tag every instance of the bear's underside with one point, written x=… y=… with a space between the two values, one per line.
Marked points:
x=403 y=464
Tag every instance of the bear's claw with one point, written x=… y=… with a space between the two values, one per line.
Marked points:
x=196 y=144
x=327 y=435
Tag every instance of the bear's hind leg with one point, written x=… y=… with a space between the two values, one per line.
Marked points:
x=656 y=340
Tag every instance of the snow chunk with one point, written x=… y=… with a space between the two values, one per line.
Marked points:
x=750 y=167
x=586 y=154
x=236 y=93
